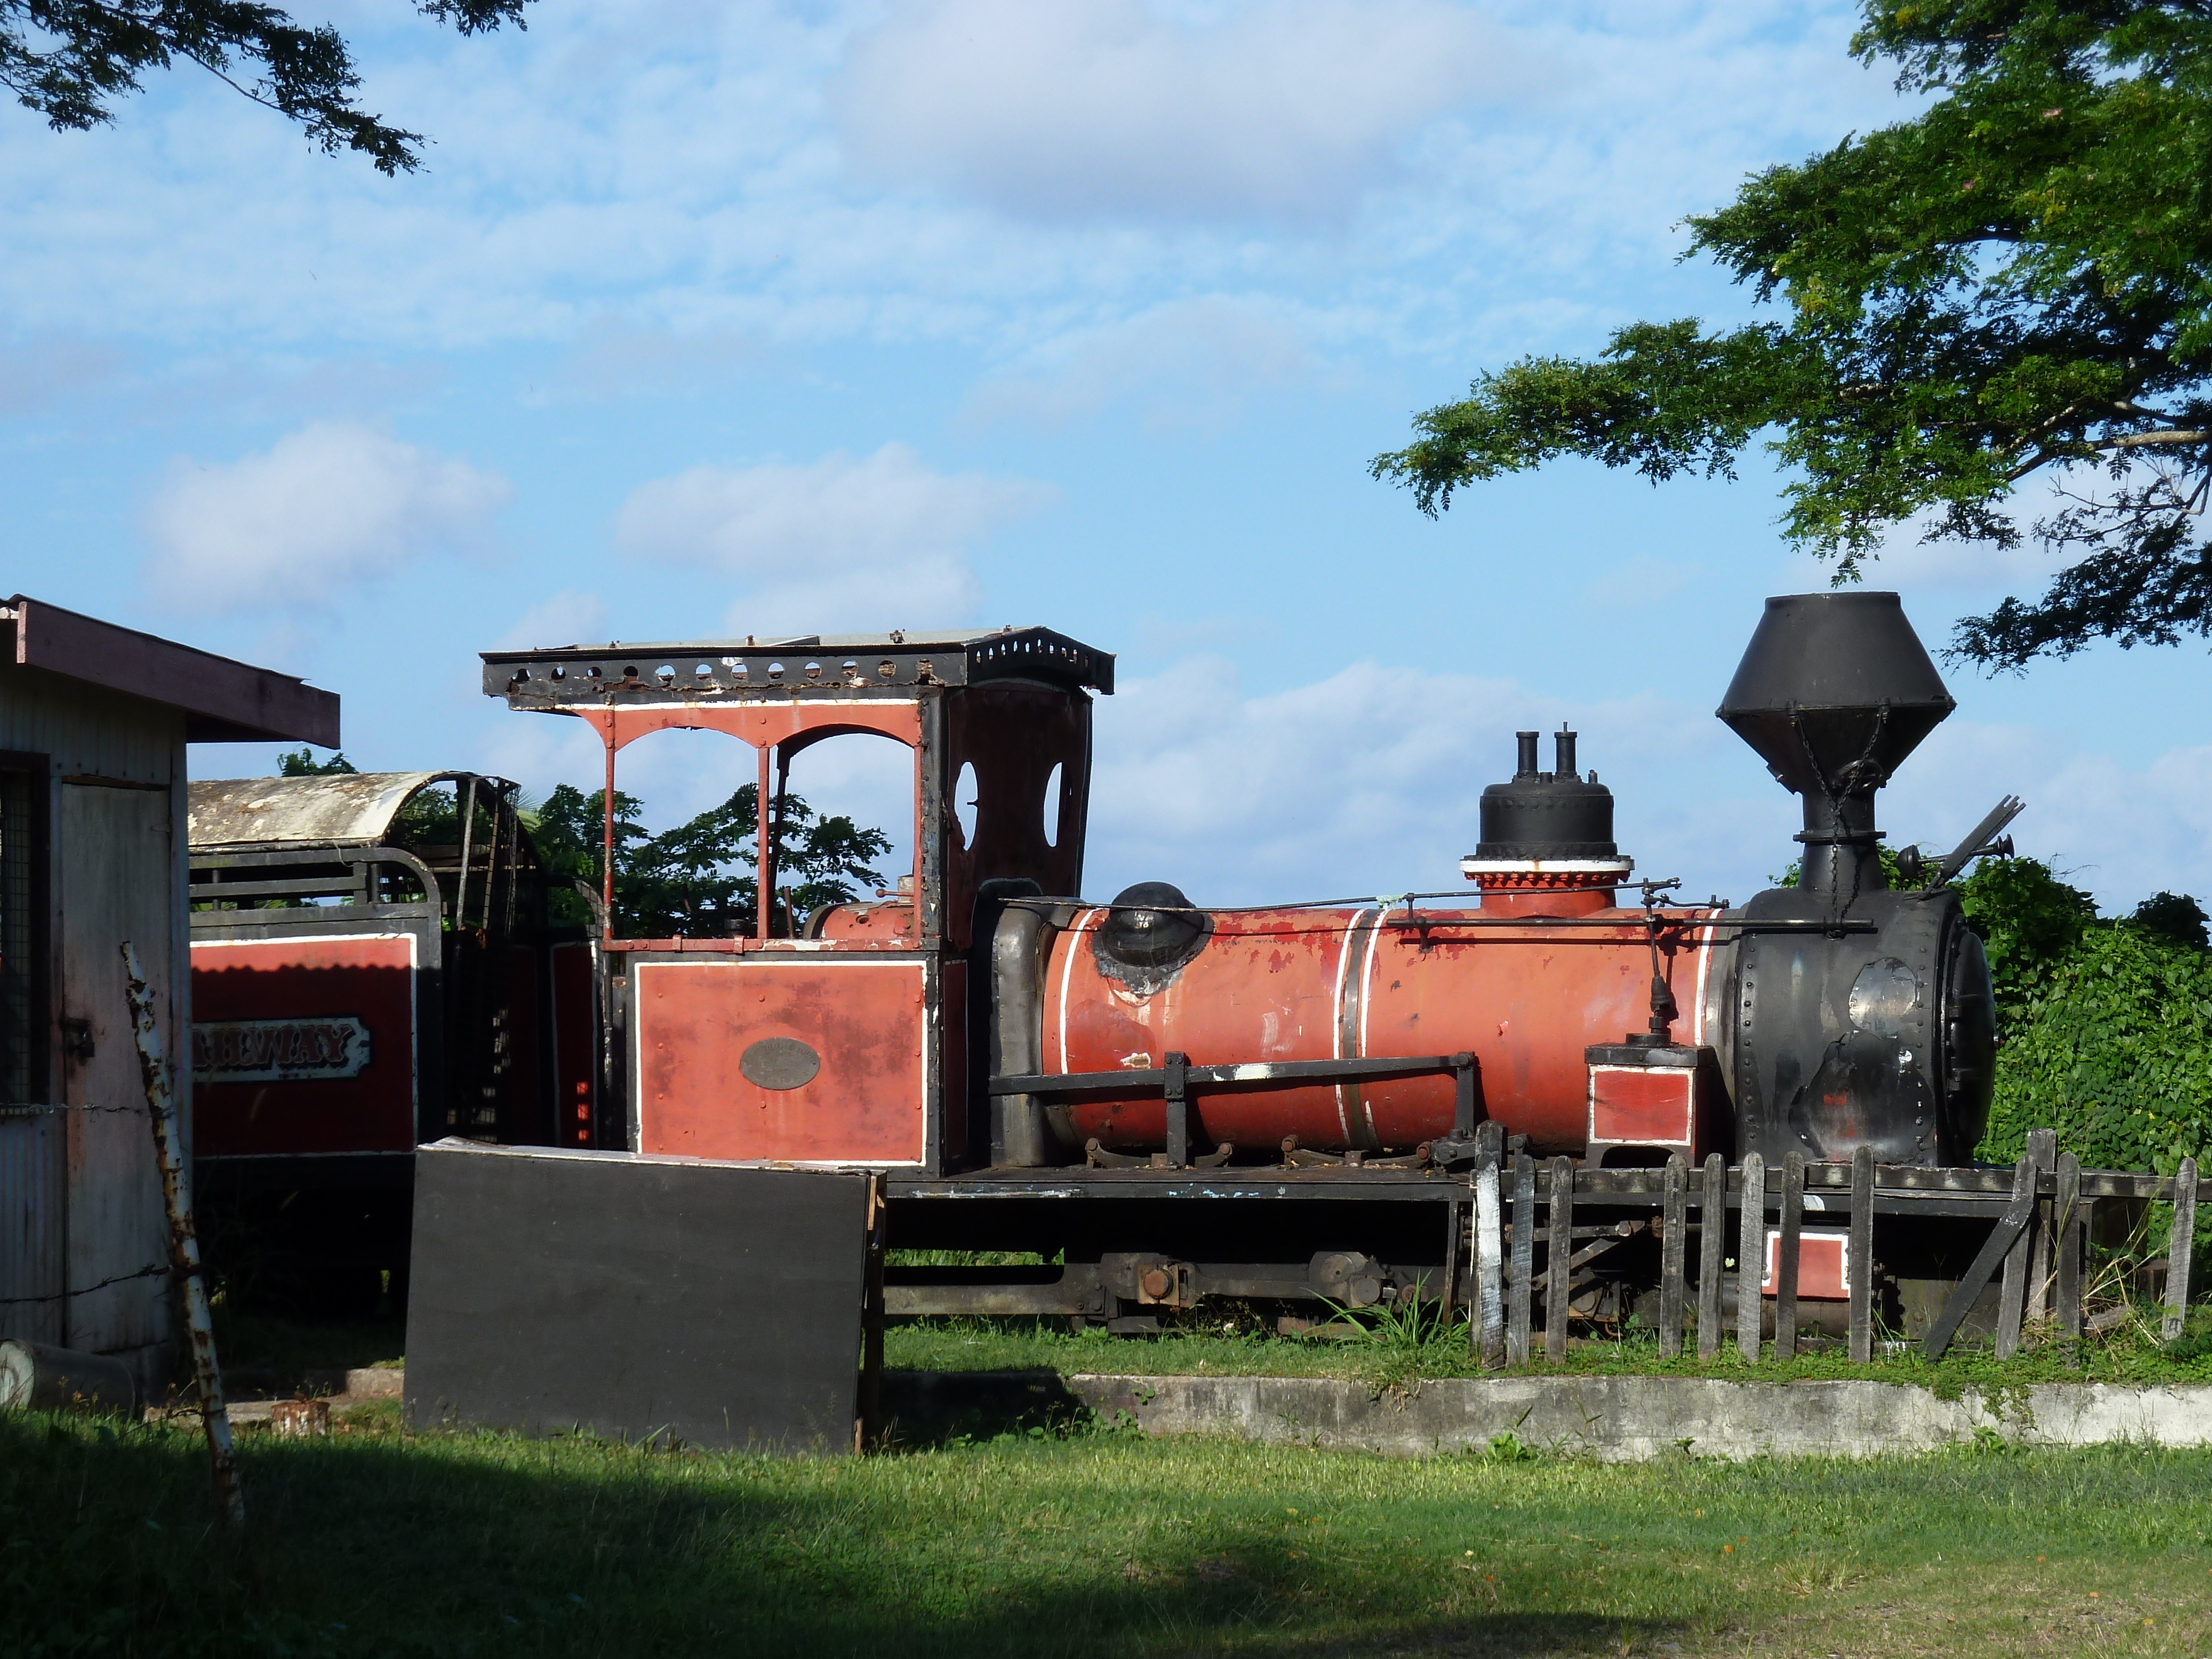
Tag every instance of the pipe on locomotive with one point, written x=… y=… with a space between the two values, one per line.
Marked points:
x=1819 y=1018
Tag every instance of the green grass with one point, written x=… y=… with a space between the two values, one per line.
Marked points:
x=376 y=1543
x=1397 y=1349
x=283 y=1350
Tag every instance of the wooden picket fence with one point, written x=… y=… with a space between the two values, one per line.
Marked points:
x=2036 y=1247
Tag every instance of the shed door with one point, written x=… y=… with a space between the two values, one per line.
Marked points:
x=118 y=873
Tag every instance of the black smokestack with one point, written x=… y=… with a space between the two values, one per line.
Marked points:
x=1835 y=690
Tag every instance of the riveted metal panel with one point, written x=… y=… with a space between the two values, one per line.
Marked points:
x=867 y=1021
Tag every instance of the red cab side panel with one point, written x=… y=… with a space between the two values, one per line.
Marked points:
x=805 y=1059
x=304 y=1045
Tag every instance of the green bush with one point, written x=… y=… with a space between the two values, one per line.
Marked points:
x=2104 y=1026
x=2113 y=1047
x=2032 y=923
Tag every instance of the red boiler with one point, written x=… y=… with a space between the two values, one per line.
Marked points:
x=1528 y=997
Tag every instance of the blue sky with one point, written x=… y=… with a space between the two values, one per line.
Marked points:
x=713 y=320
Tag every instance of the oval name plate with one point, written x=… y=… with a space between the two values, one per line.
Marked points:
x=780 y=1063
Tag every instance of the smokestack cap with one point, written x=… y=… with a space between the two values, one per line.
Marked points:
x=1835 y=690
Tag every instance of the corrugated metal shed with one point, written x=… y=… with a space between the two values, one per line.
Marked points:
x=346 y=809
x=94 y=724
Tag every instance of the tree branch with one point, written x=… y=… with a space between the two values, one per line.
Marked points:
x=2126 y=441
x=2132 y=439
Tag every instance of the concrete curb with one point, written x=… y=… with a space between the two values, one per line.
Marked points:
x=373 y=1382
x=362 y=1386
x=1630 y=1419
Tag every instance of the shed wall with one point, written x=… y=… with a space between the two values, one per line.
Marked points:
x=78 y=1177
x=89 y=732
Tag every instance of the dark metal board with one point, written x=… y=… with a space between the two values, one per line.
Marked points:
x=631 y=1298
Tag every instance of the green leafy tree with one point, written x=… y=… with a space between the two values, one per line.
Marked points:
x=2017 y=281
x=71 y=60
x=301 y=762
x=698 y=880
x=2031 y=923
x=568 y=830
x=2105 y=1026
x=2176 y=918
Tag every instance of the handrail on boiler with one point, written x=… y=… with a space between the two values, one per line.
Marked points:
x=1177 y=1078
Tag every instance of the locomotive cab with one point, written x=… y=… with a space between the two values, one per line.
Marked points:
x=845 y=1040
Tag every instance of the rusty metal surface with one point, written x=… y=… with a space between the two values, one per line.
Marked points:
x=224 y=700
x=349 y=809
x=299 y=1419
x=718 y=1045
x=1319 y=984
x=731 y=670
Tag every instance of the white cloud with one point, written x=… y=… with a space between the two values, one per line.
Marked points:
x=2123 y=833
x=567 y=617
x=1513 y=167
x=324 y=509
x=1187 y=363
x=1369 y=782
x=833 y=545
x=1288 y=110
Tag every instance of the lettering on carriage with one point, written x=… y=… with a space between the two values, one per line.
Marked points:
x=279 y=1050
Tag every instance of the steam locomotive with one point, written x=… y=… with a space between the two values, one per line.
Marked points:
x=1157 y=1102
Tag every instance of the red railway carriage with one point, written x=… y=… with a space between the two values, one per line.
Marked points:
x=372 y=968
